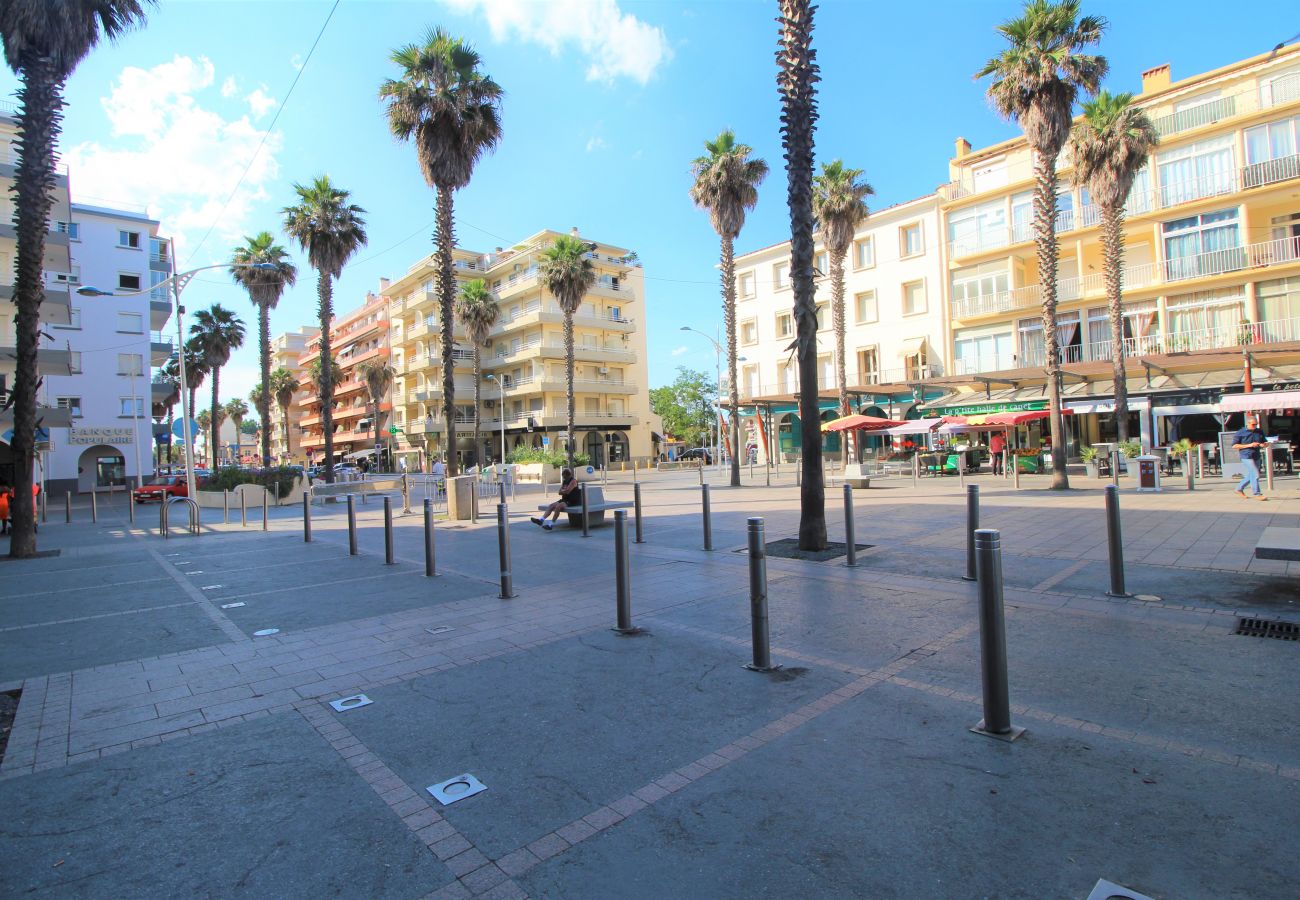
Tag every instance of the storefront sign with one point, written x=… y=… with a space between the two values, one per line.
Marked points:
x=78 y=435
x=982 y=409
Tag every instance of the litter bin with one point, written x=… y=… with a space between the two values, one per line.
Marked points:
x=1148 y=474
x=462 y=497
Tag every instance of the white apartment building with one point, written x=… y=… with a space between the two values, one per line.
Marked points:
x=285 y=350
x=895 y=322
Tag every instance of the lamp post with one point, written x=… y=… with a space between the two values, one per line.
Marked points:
x=502 y=388
x=717 y=424
x=178 y=281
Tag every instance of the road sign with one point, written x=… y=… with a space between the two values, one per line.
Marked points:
x=393 y=429
x=178 y=428
x=546 y=442
x=42 y=435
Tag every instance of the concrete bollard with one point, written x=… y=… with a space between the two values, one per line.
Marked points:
x=708 y=521
x=389 y=556
x=225 y=506
x=306 y=517
x=67 y=507
x=850 y=542
x=758 y=596
x=622 y=575
x=429 y=561
x=503 y=550
x=972 y=523
x=352 y=525
x=636 y=508
x=993 y=640
x=586 y=519
x=94 y=505
x=1115 y=544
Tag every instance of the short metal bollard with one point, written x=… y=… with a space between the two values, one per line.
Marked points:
x=708 y=517
x=503 y=550
x=266 y=510
x=1268 y=466
x=501 y=485
x=94 y=506
x=972 y=523
x=243 y=509
x=586 y=517
x=130 y=505
x=67 y=507
x=701 y=470
x=916 y=470
x=636 y=508
x=306 y=517
x=758 y=597
x=1115 y=544
x=1190 y=472
x=430 y=566
x=993 y=640
x=389 y=556
x=850 y=541
x=1015 y=471
x=225 y=507
x=352 y=525
x=1114 y=467
x=622 y=576
x=1200 y=461
x=798 y=473
x=45 y=508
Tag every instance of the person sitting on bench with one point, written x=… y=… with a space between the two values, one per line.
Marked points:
x=570 y=495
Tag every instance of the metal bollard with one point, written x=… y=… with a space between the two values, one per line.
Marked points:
x=961 y=471
x=243 y=509
x=266 y=510
x=850 y=542
x=622 y=575
x=798 y=473
x=352 y=525
x=604 y=474
x=1114 y=467
x=1015 y=471
x=429 y=562
x=751 y=470
x=503 y=548
x=758 y=596
x=701 y=471
x=306 y=517
x=636 y=506
x=1115 y=542
x=993 y=640
x=972 y=524
x=586 y=519
x=225 y=504
x=1200 y=461
x=130 y=505
x=389 y=556
x=45 y=508
x=1006 y=457
x=67 y=507
x=94 y=505
x=916 y=469
x=1190 y=472
x=708 y=523
x=406 y=495
x=501 y=485
x=1268 y=465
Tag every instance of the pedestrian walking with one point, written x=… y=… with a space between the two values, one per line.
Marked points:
x=997 y=443
x=1247 y=442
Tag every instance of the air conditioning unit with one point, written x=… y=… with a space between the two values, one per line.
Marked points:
x=604 y=370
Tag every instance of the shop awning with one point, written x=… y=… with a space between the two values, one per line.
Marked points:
x=911 y=347
x=858 y=423
x=1260 y=400
x=916 y=426
x=359 y=454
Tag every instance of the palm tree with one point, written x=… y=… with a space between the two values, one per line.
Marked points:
x=283 y=386
x=43 y=43
x=265 y=287
x=478 y=311
x=330 y=229
x=237 y=410
x=796 y=83
x=314 y=369
x=839 y=206
x=217 y=333
x=204 y=419
x=566 y=271
x=1109 y=147
x=166 y=407
x=726 y=184
x=196 y=369
x=452 y=111
x=1035 y=82
x=377 y=375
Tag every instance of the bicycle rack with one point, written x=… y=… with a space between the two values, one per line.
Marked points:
x=165 y=509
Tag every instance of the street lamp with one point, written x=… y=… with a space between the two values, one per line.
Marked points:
x=178 y=282
x=717 y=424
x=500 y=383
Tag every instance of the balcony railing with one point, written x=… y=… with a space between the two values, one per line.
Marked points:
x=1270 y=171
x=1196 y=116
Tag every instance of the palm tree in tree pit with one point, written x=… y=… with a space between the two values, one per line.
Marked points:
x=478 y=311
x=283 y=386
x=1036 y=80
x=1109 y=147
x=566 y=271
x=839 y=207
x=331 y=230
x=265 y=287
x=726 y=184
x=43 y=43
x=452 y=112
x=796 y=82
x=217 y=332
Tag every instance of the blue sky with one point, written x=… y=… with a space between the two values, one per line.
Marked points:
x=607 y=103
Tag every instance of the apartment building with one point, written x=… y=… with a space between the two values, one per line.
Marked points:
x=286 y=350
x=1212 y=265
x=895 y=321
x=526 y=398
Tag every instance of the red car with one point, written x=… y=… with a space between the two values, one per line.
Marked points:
x=161 y=486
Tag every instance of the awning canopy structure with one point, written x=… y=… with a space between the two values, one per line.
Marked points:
x=858 y=423
x=1260 y=400
x=360 y=454
x=1001 y=420
x=916 y=426
x=911 y=347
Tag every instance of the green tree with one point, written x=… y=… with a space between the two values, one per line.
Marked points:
x=237 y=410
x=1036 y=80
x=217 y=332
x=204 y=420
x=43 y=42
x=686 y=405
x=452 y=112
x=478 y=311
x=331 y=230
x=377 y=375
x=1109 y=147
x=283 y=386
x=265 y=287
x=566 y=271
x=726 y=184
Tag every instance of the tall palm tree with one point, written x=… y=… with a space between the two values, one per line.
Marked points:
x=478 y=311
x=796 y=83
x=217 y=332
x=452 y=112
x=314 y=370
x=265 y=287
x=377 y=375
x=1035 y=83
x=43 y=43
x=166 y=408
x=839 y=206
x=726 y=184
x=204 y=420
x=237 y=410
x=331 y=230
x=1109 y=147
x=196 y=369
x=283 y=386
x=566 y=271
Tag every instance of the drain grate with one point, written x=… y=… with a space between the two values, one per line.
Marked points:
x=1268 y=628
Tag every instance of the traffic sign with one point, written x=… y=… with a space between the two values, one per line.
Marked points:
x=42 y=435
x=178 y=428
x=546 y=442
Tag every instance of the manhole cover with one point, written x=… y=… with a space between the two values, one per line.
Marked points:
x=266 y=632
x=356 y=701
x=458 y=788
x=1268 y=628
x=232 y=605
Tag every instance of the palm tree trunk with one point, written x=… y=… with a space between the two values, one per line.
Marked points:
x=39 y=125
x=849 y=438
x=215 y=411
x=1045 y=235
x=478 y=438
x=264 y=400
x=796 y=82
x=568 y=381
x=447 y=300
x=1112 y=242
x=288 y=451
x=729 y=318
x=325 y=313
x=374 y=398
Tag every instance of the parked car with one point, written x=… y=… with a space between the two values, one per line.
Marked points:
x=697 y=453
x=160 y=487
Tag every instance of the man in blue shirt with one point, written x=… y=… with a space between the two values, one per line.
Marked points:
x=1247 y=441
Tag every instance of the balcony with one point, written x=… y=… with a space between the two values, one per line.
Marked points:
x=1273 y=171
x=160 y=262
x=160 y=348
x=48 y=360
x=56 y=305
x=159 y=312
x=1198 y=116
x=159 y=391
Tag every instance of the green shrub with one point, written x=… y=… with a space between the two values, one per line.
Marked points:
x=1088 y=454
x=1131 y=449
x=525 y=455
x=228 y=478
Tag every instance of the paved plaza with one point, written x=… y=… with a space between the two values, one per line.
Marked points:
x=166 y=745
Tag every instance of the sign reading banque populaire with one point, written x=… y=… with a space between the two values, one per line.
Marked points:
x=80 y=435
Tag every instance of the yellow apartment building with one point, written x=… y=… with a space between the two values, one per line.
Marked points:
x=1212 y=263
x=526 y=399
x=286 y=349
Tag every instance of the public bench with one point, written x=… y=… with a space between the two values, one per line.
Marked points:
x=596 y=506
x=1279 y=543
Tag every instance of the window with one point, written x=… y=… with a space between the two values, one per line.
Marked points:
x=980 y=289
x=781 y=275
x=821 y=262
x=129 y=239
x=130 y=323
x=156 y=292
x=71 y=229
x=126 y=410
x=911 y=242
x=915 y=361
x=74 y=362
x=128 y=281
x=1098 y=339
x=1206 y=319
x=1030 y=334
x=913 y=298
x=1279 y=300
x=749 y=332
x=1198 y=170
x=1208 y=244
x=864 y=253
x=970 y=230
x=1064 y=210
x=130 y=364
x=865 y=308
x=823 y=320
x=1271 y=152
x=1022 y=217
x=869 y=366
x=71 y=403
x=616 y=313
x=784 y=325
x=826 y=371
x=745 y=285
x=982 y=352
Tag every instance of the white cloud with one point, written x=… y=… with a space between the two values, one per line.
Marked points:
x=228 y=87
x=596 y=143
x=260 y=103
x=295 y=61
x=168 y=151
x=616 y=44
x=679 y=351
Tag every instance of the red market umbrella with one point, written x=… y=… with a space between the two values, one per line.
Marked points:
x=859 y=423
